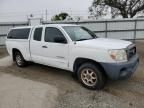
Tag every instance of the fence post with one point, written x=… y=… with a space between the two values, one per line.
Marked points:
x=106 y=29
x=13 y=25
x=135 y=30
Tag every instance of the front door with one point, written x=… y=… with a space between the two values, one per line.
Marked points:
x=55 y=53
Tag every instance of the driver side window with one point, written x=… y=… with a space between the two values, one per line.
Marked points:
x=51 y=33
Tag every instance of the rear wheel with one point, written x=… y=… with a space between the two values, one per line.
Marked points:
x=91 y=76
x=20 y=60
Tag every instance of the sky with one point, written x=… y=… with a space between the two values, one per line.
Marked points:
x=18 y=10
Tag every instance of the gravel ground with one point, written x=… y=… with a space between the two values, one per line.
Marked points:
x=45 y=87
x=3 y=52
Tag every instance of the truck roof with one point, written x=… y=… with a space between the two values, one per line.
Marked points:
x=56 y=25
x=61 y=24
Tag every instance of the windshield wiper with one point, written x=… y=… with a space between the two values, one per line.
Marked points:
x=84 y=39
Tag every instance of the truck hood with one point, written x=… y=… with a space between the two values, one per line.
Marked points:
x=104 y=43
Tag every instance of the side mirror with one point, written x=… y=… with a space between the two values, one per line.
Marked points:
x=60 y=40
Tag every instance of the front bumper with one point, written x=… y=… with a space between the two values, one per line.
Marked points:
x=116 y=71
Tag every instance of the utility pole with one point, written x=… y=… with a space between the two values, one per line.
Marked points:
x=46 y=14
x=42 y=16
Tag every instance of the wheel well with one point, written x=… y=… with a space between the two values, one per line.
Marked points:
x=79 y=61
x=14 y=50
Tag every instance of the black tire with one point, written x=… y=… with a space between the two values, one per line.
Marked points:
x=19 y=59
x=100 y=80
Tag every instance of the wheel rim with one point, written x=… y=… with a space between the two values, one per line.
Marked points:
x=89 y=77
x=18 y=59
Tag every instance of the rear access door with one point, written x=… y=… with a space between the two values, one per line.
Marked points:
x=36 y=50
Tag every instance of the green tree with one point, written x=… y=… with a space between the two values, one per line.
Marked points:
x=60 y=17
x=124 y=8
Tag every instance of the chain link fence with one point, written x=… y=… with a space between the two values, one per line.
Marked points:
x=128 y=29
x=5 y=27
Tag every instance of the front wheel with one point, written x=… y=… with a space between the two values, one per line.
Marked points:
x=20 y=62
x=91 y=76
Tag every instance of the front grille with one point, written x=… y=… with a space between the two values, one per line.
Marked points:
x=131 y=51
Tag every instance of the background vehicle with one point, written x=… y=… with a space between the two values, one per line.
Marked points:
x=76 y=49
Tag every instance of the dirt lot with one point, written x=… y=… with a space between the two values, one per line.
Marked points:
x=3 y=52
x=38 y=86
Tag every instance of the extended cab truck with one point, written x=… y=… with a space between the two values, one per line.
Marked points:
x=74 y=48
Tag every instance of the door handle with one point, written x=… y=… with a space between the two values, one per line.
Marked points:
x=44 y=47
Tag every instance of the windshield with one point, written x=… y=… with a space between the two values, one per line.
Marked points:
x=78 y=33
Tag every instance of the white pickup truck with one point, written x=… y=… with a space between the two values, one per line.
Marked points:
x=74 y=48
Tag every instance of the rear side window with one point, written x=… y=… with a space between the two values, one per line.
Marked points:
x=19 y=33
x=38 y=34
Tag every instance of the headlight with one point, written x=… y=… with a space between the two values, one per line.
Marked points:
x=118 y=55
